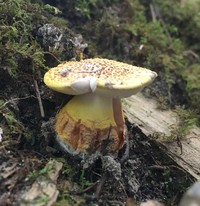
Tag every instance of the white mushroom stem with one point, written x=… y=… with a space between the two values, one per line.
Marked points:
x=100 y=109
x=91 y=109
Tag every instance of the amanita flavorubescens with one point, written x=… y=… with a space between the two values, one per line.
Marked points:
x=94 y=114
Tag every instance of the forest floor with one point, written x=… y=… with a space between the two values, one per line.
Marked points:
x=33 y=168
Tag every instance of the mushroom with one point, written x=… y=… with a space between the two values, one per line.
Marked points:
x=94 y=117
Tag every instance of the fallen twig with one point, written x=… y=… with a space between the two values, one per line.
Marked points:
x=153 y=14
x=39 y=98
x=16 y=99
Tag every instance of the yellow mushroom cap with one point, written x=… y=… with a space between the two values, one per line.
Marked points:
x=105 y=76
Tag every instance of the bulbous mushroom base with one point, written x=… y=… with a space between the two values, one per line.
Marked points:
x=86 y=124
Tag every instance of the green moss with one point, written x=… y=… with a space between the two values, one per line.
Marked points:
x=83 y=180
x=59 y=22
x=17 y=44
x=84 y=7
x=52 y=9
x=12 y=125
x=187 y=119
x=192 y=76
x=184 y=60
x=42 y=172
x=19 y=21
x=185 y=16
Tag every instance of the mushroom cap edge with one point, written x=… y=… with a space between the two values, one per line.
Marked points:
x=56 y=79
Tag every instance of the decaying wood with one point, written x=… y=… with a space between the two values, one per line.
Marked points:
x=144 y=113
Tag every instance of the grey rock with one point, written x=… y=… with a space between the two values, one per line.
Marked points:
x=111 y=166
x=50 y=36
